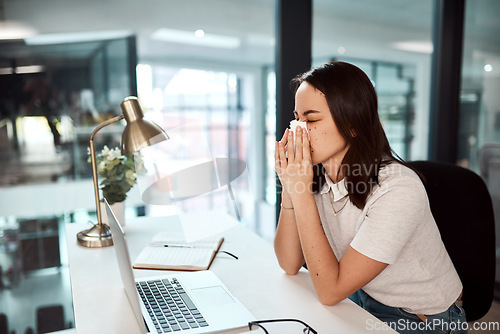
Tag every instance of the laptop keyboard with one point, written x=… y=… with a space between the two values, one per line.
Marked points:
x=169 y=306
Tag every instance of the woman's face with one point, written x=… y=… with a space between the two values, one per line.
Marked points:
x=327 y=145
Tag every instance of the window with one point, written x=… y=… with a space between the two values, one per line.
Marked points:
x=206 y=117
x=479 y=122
x=391 y=42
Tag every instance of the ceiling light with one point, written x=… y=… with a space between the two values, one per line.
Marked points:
x=414 y=46
x=6 y=70
x=488 y=68
x=341 y=50
x=187 y=37
x=15 y=30
x=29 y=69
x=199 y=33
x=22 y=69
x=77 y=37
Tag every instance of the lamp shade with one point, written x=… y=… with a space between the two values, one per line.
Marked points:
x=138 y=133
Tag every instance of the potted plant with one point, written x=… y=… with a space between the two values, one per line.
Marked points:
x=117 y=174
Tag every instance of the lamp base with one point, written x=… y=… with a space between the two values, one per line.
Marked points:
x=95 y=237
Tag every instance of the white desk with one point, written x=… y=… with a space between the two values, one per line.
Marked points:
x=101 y=305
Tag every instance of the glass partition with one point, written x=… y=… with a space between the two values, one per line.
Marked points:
x=479 y=123
x=51 y=97
x=206 y=114
x=392 y=44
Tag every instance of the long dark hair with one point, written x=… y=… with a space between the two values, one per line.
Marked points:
x=352 y=101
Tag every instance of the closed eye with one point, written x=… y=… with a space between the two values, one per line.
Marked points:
x=308 y=121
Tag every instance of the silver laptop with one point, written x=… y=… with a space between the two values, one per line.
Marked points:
x=182 y=302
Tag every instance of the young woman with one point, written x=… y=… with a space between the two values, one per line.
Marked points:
x=357 y=215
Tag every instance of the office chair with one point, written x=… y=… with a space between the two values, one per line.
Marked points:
x=462 y=208
x=49 y=319
x=4 y=325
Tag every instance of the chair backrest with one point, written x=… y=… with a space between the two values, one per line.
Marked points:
x=4 y=326
x=462 y=208
x=49 y=319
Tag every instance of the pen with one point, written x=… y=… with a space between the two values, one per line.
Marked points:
x=173 y=245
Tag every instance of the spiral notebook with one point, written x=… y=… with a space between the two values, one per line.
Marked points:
x=170 y=251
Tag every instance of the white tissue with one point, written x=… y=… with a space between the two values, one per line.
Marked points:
x=294 y=124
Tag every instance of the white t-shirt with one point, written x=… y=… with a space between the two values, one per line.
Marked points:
x=395 y=227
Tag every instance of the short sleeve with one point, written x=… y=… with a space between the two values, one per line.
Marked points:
x=395 y=210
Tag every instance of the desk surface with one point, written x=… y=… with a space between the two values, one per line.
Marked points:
x=101 y=305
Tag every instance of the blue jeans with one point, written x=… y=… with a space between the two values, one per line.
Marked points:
x=451 y=321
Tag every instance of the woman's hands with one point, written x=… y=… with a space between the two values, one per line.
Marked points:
x=294 y=172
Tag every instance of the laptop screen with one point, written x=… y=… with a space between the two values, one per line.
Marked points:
x=125 y=265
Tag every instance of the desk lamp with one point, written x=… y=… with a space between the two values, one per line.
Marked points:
x=138 y=134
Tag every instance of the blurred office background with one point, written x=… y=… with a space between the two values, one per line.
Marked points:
x=65 y=66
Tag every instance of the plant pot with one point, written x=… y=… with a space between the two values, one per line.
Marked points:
x=117 y=208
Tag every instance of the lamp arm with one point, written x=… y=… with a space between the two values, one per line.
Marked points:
x=94 y=163
x=105 y=123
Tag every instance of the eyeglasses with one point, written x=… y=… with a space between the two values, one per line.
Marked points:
x=307 y=329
